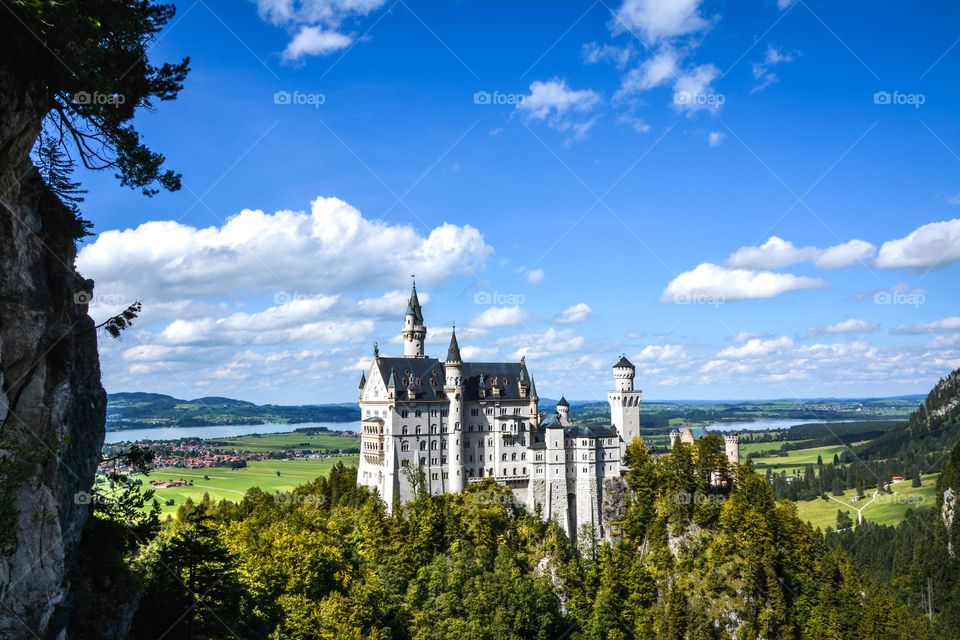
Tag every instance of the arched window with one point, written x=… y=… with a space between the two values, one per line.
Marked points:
x=433 y=445
x=513 y=456
x=418 y=429
x=523 y=456
x=405 y=430
x=504 y=458
x=423 y=461
x=423 y=445
x=405 y=446
x=433 y=428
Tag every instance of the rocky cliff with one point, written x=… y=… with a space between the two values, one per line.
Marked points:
x=52 y=405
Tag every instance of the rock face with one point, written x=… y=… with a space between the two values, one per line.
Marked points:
x=52 y=405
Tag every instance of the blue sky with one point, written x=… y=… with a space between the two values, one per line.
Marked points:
x=749 y=199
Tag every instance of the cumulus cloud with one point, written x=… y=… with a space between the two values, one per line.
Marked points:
x=655 y=20
x=316 y=25
x=574 y=315
x=500 y=317
x=312 y=41
x=951 y=323
x=535 y=276
x=545 y=343
x=933 y=245
x=594 y=53
x=693 y=91
x=851 y=325
x=756 y=348
x=315 y=252
x=777 y=253
x=660 y=353
x=713 y=284
x=656 y=70
x=561 y=107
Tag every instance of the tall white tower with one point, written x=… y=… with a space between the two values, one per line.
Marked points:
x=453 y=388
x=731 y=442
x=624 y=404
x=414 y=330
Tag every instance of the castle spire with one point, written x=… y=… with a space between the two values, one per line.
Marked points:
x=413 y=305
x=453 y=353
x=414 y=330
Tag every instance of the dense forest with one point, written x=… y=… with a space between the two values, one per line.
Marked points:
x=696 y=550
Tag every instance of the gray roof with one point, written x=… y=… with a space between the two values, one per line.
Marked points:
x=453 y=353
x=413 y=306
x=363 y=380
x=427 y=374
x=563 y=402
x=623 y=362
x=552 y=421
x=477 y=375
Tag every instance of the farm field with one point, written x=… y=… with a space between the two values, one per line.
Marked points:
x=796 y=460
x=746 y=448
x=232 y=484
x=294 y=440
x=886 y=509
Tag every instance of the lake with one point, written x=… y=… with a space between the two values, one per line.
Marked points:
x=762 y=425
x=220 y=431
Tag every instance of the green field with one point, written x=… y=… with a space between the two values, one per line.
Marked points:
x=887 y=509
x=281 y=441
x=231 y=484
x=796 y=460
x=746 y=448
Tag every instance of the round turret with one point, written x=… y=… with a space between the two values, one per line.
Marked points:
x=563 y=410
x=623 y=373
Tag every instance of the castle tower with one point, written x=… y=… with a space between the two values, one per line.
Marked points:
x=563 y=411
x=534 y=407
x=453 y=389
x=624 y=404
x=731 y=445
x=414 y=330
x=557 y=503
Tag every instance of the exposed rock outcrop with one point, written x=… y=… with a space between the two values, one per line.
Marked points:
x=52 y=405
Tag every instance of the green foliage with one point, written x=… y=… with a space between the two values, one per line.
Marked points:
x=86 y=69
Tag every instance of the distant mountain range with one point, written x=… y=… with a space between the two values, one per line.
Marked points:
x=145 y=410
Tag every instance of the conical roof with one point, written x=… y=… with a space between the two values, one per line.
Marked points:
x=453 y=353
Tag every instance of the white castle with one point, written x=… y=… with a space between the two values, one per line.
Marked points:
x=461 y=422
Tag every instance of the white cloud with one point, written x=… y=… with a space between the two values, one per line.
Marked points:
x=561 y=107
x=656 y=70
x=312 y=41
x=783 y=4
x=500 y=317
x=846 y=254
x=776 y=253
x=315 y=252
x=654 y=20
x=716 y=138
x=594 y=53
x=672 y=353
x=851 y=325
x=772 y=254
x=714 y=284
x=951 y=323
x=575 y=314
x=693 y=90
x=316 y=23
x=762 y=70
x=535 y=276
x=756 y=348
x=478 y=354
x=932 y=245
x=539 y=345
x=637 y=124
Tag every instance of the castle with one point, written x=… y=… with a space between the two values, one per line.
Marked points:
x=461 y=422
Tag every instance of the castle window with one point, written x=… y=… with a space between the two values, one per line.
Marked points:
x=490 y=442
x=470 y=428
x=404 y=463
x=523 y=456
x=523 y=470
x=514 y=471
x=474 y=412
x=405 y=446
x=423 y=461
x=419 y=429
x=433 y=428
x=423 y=445
x=433 y=445
x=433 y=461
x=444 y=459
x=471 y=458
x=417 y=413
x=434 y=476
x=405 y=430
x=456 y=426
x=404 y=413
x=504 y=457
x=513 y=456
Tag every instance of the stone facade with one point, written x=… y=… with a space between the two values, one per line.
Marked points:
x=462 y=422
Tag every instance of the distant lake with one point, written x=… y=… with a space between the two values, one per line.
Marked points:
x=220 y=431
x=763 y=425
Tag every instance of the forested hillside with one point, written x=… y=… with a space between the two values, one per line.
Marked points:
x=689 y=559
x=931 y=431
x=143 y=410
